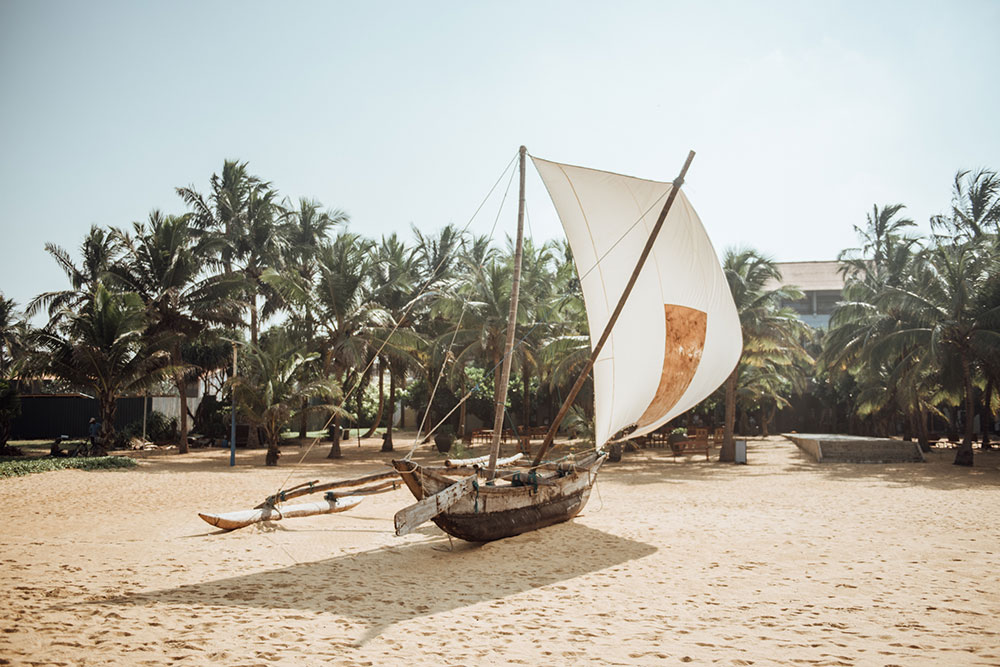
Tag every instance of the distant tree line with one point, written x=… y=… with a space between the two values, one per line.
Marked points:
x=329 y=321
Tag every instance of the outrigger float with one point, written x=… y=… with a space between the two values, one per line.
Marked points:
x=274 y=509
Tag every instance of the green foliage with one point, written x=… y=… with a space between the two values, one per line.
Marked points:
x=213 y=417
x=10 y=407
x=19 y=467
x=159 y=428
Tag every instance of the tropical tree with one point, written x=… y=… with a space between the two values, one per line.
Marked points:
x=772 y=334
x=99 y=250
x=242 y=216
x=305 y=228
x=270 y=394
x=942 y=317
x=884 y=260
x=346 y=312
x=396 y=281
x=975 y=206
x=103 y=348
x=163 y=265
x=13 y=339
x=13 y=334
x=479 y=305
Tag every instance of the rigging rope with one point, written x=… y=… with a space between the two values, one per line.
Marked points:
x=427 y=284
x=416 y=441
x=423 y=289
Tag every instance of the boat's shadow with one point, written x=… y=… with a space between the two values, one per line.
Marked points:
x=393 y=584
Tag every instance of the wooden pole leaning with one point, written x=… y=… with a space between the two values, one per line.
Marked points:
x=501 y=394
x=564 y=409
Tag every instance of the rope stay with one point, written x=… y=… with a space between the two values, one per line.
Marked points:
x=425 y=287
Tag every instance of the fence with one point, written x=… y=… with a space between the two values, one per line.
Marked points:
x=51 y=415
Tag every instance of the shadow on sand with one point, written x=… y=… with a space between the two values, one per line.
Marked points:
x=392 y=584
x=780 y=456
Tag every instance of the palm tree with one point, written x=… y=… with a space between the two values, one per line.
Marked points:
x=437 y=254
x=99 y=250
x=305 y=229
x=941 y=315
x=771 y=333
x=242 y=215
x=884 y=260
x=975 y=206
x=346 y=311
x=102 y=347
x=478 y=303
x=271 y=393
x=163 y=265
x=395 y=281
x=534 y=303
x=565 y=347
x=13 y=335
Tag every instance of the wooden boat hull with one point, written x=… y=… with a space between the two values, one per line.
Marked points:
x=495 y=512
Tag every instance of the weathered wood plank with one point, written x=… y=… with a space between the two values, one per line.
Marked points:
x=312 y=487
x=408 y=518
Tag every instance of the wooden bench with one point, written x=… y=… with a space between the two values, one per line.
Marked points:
x=693 y=445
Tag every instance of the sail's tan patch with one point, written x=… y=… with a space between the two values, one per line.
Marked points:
x=684 y=344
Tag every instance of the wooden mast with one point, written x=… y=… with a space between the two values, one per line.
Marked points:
x=614 y=316
x=501 y=393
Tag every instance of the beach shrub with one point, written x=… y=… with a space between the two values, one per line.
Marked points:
x=19 y=467
x=444 y=439
x=212 y=418
x=159 y=428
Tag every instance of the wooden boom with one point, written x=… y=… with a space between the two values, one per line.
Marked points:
x=311 y=487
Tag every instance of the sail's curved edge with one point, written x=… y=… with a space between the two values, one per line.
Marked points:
x=607 y=218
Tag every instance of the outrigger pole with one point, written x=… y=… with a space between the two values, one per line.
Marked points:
x=547 y=443
x=501 y=393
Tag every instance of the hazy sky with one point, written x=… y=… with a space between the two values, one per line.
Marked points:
x=803 y=114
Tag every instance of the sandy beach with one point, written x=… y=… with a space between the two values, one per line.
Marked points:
x=779 y=561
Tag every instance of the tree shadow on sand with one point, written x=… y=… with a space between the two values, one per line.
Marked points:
x=393 y=584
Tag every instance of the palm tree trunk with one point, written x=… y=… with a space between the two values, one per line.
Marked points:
x=526 y=420
x=987 y=421
x=963 y=456
x=381 y=403
x=108 y=408
x=253 y=318
x=272 y=447
x=727 y=453
x=182 y=440
x=766 y=416
x=461 y=409
x=335 y=447
x=303 y=420
x=387 y=439
x=923 y=437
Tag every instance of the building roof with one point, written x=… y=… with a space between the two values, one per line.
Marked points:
x=810 y=276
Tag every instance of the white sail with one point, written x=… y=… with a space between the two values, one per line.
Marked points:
x=678 y=337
